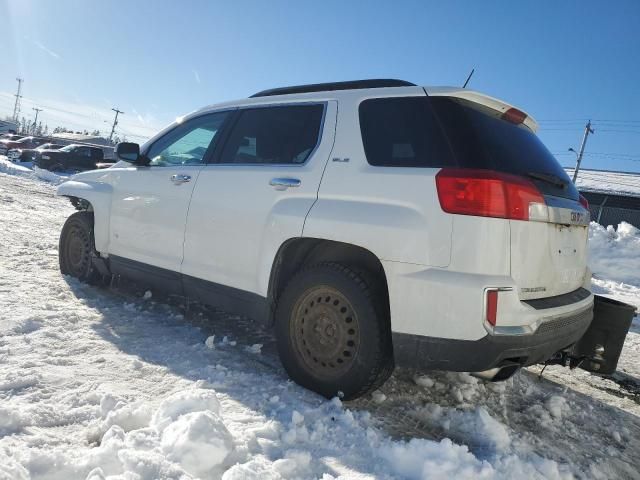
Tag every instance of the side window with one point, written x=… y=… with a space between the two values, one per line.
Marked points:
x=83 y=152
x=188 y=143
x=403 y=132
x=274 y=135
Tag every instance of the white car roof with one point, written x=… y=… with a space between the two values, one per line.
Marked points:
x=325 y=95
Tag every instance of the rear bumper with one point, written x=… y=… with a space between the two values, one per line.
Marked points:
x=492 y=351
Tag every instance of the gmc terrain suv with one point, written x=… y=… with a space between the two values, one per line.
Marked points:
x=373 y=223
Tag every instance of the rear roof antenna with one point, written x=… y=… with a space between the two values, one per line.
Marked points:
x=468 y=78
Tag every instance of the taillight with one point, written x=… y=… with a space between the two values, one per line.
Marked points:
x=492 y=306
x=584 y=202
x=486 y=193
x=514 y=115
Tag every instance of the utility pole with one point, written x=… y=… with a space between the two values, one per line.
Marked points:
x=16 y=107
x=115 y=122
x=587 y=131
x=35 y=122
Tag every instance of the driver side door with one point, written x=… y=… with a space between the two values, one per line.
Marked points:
x=150 y=203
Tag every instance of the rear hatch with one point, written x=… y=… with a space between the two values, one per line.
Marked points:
x=549 y=222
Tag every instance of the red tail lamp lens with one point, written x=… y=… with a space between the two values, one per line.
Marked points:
x=486 y=193
x=584 y=202
x=514 y=115
x=492 y=306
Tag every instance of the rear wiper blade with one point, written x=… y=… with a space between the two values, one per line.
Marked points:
x=549 y=178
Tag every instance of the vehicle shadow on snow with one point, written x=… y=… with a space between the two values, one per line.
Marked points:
x=525 y=415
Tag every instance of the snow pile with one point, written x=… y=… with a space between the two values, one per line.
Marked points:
x=10 y=168
x=184 y=438
x=615 y=262
x=51 y=177
x=615 y=253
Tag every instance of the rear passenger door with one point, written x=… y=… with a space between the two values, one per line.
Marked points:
x=255 y=196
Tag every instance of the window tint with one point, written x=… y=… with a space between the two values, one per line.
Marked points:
x=274 y=135
x=447 y=132
x=402 y=132
x=481 y=139
x=188 y=143
x=83 y=152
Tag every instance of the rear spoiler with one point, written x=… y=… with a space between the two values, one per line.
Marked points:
x=481 y=99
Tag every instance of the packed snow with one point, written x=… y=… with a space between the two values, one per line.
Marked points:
x=116 y=383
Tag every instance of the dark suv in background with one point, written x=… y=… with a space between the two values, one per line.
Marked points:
x=71 y=157
x=30 y=154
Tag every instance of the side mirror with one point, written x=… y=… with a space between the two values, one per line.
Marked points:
x=128 y=152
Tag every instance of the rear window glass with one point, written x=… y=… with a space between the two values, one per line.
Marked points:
x=402 y=132
x=479 y=138
x=436 y=132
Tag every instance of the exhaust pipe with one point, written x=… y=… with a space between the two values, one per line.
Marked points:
x=497 y=374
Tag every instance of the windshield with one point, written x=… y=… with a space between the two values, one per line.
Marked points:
x=25 y=140
x=68 y=148
x=479 y=138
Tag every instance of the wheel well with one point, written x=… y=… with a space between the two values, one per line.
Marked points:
x=81 y=204
x=296 y=253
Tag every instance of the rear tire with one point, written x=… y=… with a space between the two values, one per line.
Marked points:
x=76 y=248
x=333 y=332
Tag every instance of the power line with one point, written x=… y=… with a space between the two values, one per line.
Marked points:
x=598 y=154
x=576 y=120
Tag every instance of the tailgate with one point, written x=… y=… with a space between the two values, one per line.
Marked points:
x=549 y=258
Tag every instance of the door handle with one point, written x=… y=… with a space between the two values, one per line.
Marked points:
x=284 y=183
x=180 y=178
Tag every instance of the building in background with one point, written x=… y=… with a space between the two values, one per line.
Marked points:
x=613 y=197
x=8 y=127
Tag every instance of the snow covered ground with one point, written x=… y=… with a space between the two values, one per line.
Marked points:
x=116 y=383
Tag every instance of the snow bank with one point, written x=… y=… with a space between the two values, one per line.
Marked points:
x=51 y=177
x=11 y=168
x=184 y=438
x=615 y=253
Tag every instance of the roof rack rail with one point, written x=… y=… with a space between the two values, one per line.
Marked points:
x=327 y=87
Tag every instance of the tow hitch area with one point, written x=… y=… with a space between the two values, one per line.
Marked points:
x=599 y=348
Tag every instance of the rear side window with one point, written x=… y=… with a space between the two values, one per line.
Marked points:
x=274 y=135
x=402 y=132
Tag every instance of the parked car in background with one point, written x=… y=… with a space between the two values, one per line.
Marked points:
x=11 y=137
x=30 y=154
x=72 y=157
x=25 y=142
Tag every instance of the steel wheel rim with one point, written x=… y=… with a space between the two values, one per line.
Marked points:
x=77 y=254
x=325 y=331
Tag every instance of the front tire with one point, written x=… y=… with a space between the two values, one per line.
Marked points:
x=333 y=332
x=76 y=248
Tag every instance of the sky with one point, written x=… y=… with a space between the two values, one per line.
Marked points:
x=562 y=62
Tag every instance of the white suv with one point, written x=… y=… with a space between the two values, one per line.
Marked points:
x=372 y=222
